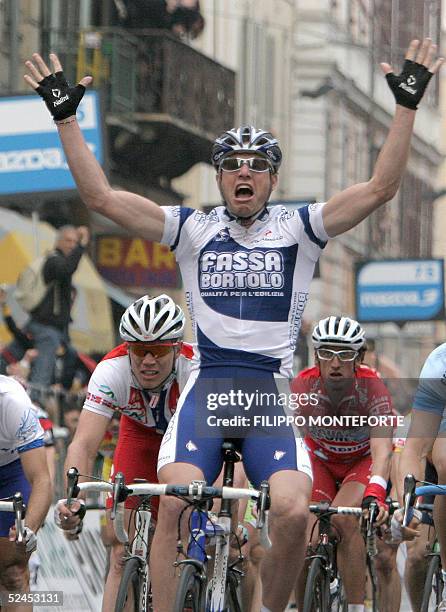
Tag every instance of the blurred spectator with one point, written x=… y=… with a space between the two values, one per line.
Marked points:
x=71 y=416
x=15 y=351
x=21 y=369
x=49 y=321
x=182 y=17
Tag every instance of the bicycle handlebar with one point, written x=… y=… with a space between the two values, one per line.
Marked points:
x=196 y=491
x=325 y=508
x=431 y=489
x=16 y=504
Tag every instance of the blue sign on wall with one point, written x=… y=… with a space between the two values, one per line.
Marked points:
x=400 y=290
x=31 y=154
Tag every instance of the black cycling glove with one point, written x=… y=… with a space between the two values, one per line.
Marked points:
x=61 y=99
x=409 y=86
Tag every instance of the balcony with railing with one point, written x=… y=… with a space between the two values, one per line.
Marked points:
x=164 y=101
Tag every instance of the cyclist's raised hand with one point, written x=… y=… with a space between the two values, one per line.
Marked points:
x=60 y=97
x=420 y=64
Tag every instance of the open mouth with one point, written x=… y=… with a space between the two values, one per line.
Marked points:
x=244 y=191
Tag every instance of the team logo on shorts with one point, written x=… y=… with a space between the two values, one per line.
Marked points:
x=278 y=455
x=191 y=446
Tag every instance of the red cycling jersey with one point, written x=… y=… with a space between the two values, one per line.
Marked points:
x=145 y=414
x=367 y=396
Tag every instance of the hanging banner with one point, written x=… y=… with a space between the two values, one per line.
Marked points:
x=31 y=154
x=400 y=290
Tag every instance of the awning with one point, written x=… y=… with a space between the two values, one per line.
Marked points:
x=21 y=241
x=118 y=295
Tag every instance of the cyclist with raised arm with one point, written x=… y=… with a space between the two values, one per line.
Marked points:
x=427 y=433
x=141 y=379
x=23 y=468
x=351 y=463
x=246 y=270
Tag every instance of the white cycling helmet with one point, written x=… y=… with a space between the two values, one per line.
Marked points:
x=338 y=331
x=149 y=319
x=247 y=139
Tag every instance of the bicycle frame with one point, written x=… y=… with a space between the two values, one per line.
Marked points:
x=203 y=529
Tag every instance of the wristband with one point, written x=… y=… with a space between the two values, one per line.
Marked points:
x=65 y=121
x=373 y=489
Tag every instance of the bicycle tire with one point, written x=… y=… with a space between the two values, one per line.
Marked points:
x=432 y=584
x=130 y=584
x=189 y=592
x=373 y=583
x=232 y=593
x=317 y=588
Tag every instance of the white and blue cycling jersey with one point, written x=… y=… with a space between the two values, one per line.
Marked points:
x=20 y=429
x=431 y=391
x=246 y=287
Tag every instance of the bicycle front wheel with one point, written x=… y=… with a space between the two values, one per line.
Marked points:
x=433 y=585
x=132 y=582
x=317 y=588
x=189 y=593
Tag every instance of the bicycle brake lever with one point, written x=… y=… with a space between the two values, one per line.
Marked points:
x=409 y=497
x=263 y=504
x=120 y=493
x=19 y=511
x=72 y=488
x=373 y=510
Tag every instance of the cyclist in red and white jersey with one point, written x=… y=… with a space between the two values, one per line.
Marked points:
x=142 y=379
x=350 y=462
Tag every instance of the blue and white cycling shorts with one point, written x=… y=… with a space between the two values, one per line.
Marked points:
x=12 y=480
x=244 y=405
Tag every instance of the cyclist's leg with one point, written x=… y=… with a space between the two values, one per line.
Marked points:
x=135 y=456
x=283 y=460
x=117 y=561
x=389 y=583
x=324 y=490
x=439 y=461
x=183 y=457
x=14 y=573
x=416 y=565
x=351 y=551
x=417 y=561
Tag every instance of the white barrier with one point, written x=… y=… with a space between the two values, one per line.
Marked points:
x=77 y=568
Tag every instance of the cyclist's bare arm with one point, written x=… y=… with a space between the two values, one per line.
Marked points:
x=81 y=454
x=35 y=467
x=134 y=212
x=130 y=210
x=87 y=439
x=381 y=452
x=348 y=208
x=419 y=442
